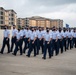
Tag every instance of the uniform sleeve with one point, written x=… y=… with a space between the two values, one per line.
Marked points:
x=24 y=32
x=35 y=34
x=62 y=34
x=58 y=35
x=29 y=34
x=21 y=33
x=8 y=32
x=16 y=32
x=72 y=34
x=50 y=35
x=67 y=34
x=43 y=34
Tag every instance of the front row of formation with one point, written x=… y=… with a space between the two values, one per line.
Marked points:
x=36 y=39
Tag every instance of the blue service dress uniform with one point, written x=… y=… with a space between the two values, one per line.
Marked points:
x=65 y=40
x=39 y=41
x=18 y=43
x=42 y=40
x=60 y=41
x=47 y=44
x=32 y=38
x=70 y=40
x=55 y=43
x=26 y=38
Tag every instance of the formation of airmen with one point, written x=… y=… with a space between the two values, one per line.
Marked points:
x=38 y=39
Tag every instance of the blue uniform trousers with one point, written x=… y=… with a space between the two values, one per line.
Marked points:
x=26 y=43
x=18 y=44
x=31 y=47
x=64 y=43
x=55 y=46
x=38 y=45
x=5 y=42
x=75 y=42
x=47 y=46
x=42 y=45
x=70 y=43
x=61 y=45
x=13 y=42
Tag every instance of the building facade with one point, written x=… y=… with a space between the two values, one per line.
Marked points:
x=7 y=17
x=37 y=21
x=22 y=22
x=57 y=23
x=2 y=17
x=44 y=22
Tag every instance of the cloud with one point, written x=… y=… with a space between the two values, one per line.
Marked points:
x=51 y=2
x=61 y=9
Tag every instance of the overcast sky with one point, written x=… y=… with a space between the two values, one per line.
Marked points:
x=54 y=9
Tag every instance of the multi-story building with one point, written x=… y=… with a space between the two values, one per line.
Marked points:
x=7 y=17
x=39 y=22
x=22 y=22
x=44 y=22
x=57 y=23
x=2 y=16
x=12 y=17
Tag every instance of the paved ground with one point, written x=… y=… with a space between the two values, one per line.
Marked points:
x=63 y=64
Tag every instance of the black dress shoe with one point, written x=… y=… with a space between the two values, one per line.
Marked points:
x=50 y=57
x=20 y=54
x=37 y=54
x=61 y=52
x=23 y=52
x=11 y=51
x=8 y=52
x=13 y=54
x=43 y=58
x=34 y=55
x=1 y=52
x=27 y=55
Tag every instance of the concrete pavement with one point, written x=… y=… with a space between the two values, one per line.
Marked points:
x=63 y=64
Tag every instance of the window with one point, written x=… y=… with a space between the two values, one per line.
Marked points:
x=1 y=17
x=12 y=23
x=12 y=14
x=1 y=22
x=12 y=19
x=1 y=13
